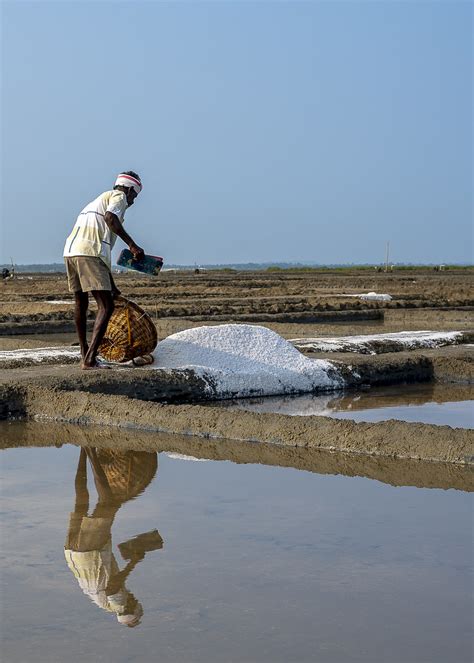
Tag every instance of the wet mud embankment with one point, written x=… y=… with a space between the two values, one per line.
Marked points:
x=395 y=439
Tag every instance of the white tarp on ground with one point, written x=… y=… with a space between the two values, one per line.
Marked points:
x=379 y=343
x=245 y=360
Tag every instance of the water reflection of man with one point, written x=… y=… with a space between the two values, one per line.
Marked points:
x=118 y=477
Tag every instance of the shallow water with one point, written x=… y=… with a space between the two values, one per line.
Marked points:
x=258 y=564
x=424 y=403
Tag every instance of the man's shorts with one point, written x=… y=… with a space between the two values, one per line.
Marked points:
x=87 y=273
x=88 y=533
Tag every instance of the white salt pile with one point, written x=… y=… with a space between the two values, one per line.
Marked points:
x=245 y=360
x=375 y=297
x=40 y=355
x=379 y=343
x=369 y=296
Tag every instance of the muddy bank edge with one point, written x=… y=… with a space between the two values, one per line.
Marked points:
x=395 y=439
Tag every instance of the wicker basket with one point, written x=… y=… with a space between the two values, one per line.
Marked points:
x=130 y=333
x=128 y=472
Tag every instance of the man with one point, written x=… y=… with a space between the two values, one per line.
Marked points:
x=87 y=255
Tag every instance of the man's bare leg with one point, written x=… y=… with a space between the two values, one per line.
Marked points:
x=80 y=483
x=80 y=318
x=105 y=306
x=101 y=483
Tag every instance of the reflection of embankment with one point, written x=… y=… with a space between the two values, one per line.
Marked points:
x=396 y=472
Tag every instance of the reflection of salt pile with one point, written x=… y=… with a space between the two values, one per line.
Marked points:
x=177 y=456
x=302 y=405
x=245 y=360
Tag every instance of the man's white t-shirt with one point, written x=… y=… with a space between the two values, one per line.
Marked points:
x=91 y=236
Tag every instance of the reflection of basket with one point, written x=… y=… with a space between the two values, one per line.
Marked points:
x=130 y=333
x=128 y=472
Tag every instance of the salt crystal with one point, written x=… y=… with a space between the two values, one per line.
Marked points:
x=245 y=360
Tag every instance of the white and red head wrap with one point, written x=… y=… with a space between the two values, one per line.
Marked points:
x=128 y=181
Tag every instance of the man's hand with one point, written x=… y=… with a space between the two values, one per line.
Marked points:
x=137 y=252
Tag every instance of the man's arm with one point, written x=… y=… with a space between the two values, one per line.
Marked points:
x=116 y=227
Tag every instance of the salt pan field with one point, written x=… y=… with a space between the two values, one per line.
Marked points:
x=272 y=470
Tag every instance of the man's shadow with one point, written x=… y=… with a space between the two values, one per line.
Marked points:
x=118 y=477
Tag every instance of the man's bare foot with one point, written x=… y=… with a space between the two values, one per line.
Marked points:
x=143 y=360
x=96 y=365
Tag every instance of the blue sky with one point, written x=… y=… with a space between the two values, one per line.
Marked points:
x=263 y=131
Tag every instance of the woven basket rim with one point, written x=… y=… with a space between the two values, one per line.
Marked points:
x=142 y=464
